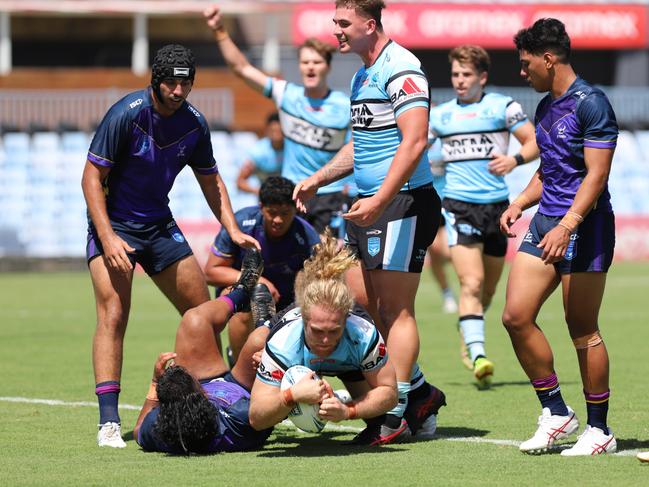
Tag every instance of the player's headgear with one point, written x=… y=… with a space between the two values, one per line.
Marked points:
x=172 y=61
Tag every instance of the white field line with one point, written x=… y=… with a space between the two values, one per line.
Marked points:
x=286 y=422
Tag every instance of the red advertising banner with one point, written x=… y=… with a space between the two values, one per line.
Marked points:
x=442 y=26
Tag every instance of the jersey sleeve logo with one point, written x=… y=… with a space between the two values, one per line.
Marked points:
x=407 y=87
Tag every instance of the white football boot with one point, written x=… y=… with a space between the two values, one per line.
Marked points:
x=643 y=456
x=110 y=434
x=551 y=428
x=593 y=441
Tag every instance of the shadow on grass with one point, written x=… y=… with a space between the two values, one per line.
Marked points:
x=325 y=444
x=632 y=444
x=496 y=385
x=128 y=436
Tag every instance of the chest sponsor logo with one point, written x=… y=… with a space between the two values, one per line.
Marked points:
x=306 y=133
x=136 y=103
x=373 y=245
x=373 y=232
x=470 y=146
x=250 y=222
x=362 y=116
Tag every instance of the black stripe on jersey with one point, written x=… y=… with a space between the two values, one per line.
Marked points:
x=403 y=73
x=473 y=132
x=371 y=348
x=278 y=320
x=413 y=100
x=467 y=160
x=510 y=102
x=276 y=358
x=375 y=129
x=370 y=100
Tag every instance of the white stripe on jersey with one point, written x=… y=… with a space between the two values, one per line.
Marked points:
x=373 y=115
x=314 y=136
x=407 y=87
x=475 y=146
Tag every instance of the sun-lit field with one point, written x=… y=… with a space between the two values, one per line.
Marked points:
x=48 y=414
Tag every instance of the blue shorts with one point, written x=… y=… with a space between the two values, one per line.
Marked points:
x=157 y=245
x=399 y=239
x=590 y=249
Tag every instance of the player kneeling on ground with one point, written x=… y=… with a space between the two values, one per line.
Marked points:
x=197 y=405
x=324 y=334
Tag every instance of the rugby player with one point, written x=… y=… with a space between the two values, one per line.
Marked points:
x=139 y=148
x=313 y=117
x=286 y=242
x=396 y=216
x=570 y=239
x=474 y=129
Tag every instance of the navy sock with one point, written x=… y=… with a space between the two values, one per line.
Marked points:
x=238 y=299
x=549 y=393
x=108 y=397
x=597 y=409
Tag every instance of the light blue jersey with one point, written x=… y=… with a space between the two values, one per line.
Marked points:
x=381 y=92
x=267 y=160
x=314 y=129
x=361 y=349
x=472 y=134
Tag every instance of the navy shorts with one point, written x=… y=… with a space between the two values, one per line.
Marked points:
x=157 y=245
x=590 y=249
x=399 y=239
x=475 y=223
x=324 y=210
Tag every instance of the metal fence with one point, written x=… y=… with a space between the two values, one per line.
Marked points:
x=85 y=108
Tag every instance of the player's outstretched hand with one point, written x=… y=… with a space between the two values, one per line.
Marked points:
x=502 y=164
x=508 y=218
x=213 y=17
x=364 y=211
x=309 y=391
x=554 y=244
x=244 y=240
x=303 y=192
x=115 y=250
x=164 y=360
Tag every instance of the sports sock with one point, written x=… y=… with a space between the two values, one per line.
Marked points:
x=416 y=377
x=597 y=409
x=448 y=293
x=549 y=393
x=400 y=408
x=238 y=299
x=472 y=327
x=108 y=398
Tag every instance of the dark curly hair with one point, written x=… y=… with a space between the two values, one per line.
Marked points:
x=187 y=421
x=276 y=190
x=546 y=35
x=172 y=61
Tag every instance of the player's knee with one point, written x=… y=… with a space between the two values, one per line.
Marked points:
x=194 y=321
x=514 y=321
x=587 y=341
x=471 y=286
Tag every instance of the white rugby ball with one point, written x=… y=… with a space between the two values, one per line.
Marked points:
x=304 y=416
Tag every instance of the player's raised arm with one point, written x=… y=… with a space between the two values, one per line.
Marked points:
x=237 y=62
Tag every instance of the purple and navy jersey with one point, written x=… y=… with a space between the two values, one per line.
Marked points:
x=283 y=258
x=145 y=152
x=232 y=403
x=581 y=117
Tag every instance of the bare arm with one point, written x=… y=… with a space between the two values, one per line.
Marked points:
x=218 y=200
x=413 y=125
x=598 y=166
x=237 y=62
x=247 y=169
x=504 y=164
x=219 y=272
x=267 y=406
x=340 y=165
x=115 y=248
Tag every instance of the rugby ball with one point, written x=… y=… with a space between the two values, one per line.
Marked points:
x=303 y=416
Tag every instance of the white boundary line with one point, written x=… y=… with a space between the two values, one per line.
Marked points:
x=329 y=426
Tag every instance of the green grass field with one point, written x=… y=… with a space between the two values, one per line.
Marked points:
x=46 y=327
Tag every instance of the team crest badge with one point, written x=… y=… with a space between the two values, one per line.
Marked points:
x=178 y=237
x=373 y=245
x=446 y=117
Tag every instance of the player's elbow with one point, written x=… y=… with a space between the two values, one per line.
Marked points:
x=257 y=420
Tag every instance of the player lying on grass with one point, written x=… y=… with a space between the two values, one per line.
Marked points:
x=197 y=405
x=323 y=333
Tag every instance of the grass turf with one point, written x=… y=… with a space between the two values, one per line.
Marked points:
x=47 y=322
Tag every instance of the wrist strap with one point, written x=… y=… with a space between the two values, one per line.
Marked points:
x=221 y=34
x=152 y=395
x=519 y=159
x=351 y=411
x=287 y=398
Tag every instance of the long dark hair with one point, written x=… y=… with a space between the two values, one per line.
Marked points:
x=187 y=421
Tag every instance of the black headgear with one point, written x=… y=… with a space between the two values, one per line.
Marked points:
x=172 y=61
